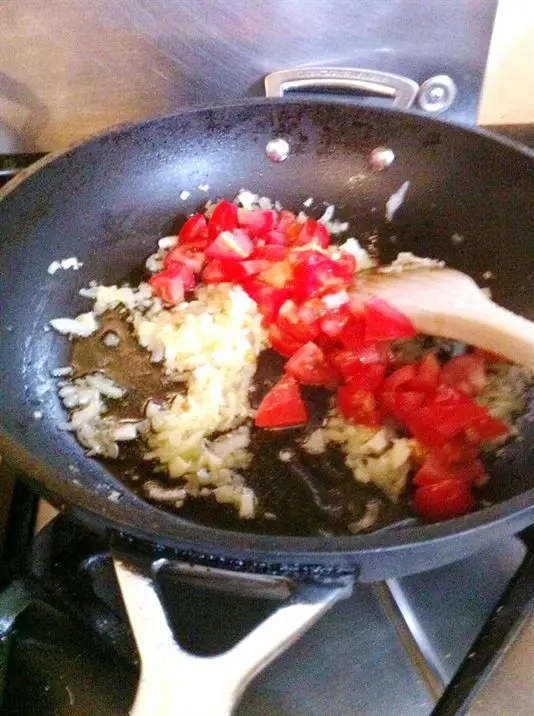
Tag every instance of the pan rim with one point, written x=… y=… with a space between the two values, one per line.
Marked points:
x=172 y=529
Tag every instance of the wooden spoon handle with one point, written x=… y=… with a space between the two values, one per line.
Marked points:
x=486 y=325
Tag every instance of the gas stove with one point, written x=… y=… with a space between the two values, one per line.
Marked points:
x=415 y=646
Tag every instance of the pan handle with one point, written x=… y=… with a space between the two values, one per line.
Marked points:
x=401 y=89
x=174 y=682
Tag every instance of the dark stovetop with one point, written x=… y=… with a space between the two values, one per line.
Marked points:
x=65 y=648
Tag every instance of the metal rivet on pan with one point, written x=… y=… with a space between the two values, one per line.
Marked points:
x=437 y=93
x=277 y=149
x=381 y=158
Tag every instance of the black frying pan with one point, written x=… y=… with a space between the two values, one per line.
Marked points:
x=107 y=200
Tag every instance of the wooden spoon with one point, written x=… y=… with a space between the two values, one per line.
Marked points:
x=447 y=303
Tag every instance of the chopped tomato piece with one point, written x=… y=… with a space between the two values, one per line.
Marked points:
x=328 y=345
x=433 y=471
x=285 y=219
x=291 y=229
x=271 y=252
x=223 y=218
x=311 y=311
x=456 y=451
x=282 y=342
x=312 y=232
x=347 y=262
x=333 y=274
x=216 y=271
x=466 y=373
x=352 y=334
x=269 y=299
x=399 y=378
x=256 y=221
x=384 y=323
x=241 y=270
x=278 y=274
x=282 y=406
x=171 y=283
x=335 y=321
x=274 y=238
x=486 y=428
x=437 y=424
x=368 y=377
x=358 y=406
x=316 y=274
x=446 y=395
x=310 y=366
x=349 y=362
x=443 y=500
x=399 y=404
x=194 y=232
x=289 y=321
x=427 y=374
x=189 y=255
x=231 y=246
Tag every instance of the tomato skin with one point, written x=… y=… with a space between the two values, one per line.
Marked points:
x=399 y=404
x=285 y=219
x=427 y=374
x=290 y=322
x=352 y=334
x=466 y=373
x=347 y=262
x=256 y=221
x=433 y=471
x=486 y=428
x=275 y=238
x=310 y=366
x=269 y=299
x=312 y=232
x=238 y=271
x=316 y=274
x=189 y=255
x=215 y=271
x=443 y=500
x=231 y=246
x=384 y=323
x=446 y=395
x=456 y=451
x=399 y=378
x=223 y=218
x=194 y=232
x=282 y=406
x=358 y=406
x=437 y=424
x=348 y=362
x=271 y=252
x=368 y=377
x=283 y=343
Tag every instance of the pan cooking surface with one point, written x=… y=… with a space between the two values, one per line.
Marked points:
x=105 y=201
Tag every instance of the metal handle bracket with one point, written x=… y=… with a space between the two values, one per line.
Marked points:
x=402 y=90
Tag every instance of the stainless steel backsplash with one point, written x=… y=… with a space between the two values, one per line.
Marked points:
x=69 y=68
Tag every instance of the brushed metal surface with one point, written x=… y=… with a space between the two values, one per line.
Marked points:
x=68 y=69
x=362 y=659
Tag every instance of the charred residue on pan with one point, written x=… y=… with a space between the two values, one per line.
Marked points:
x=305 y=495
x=127 y=363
